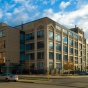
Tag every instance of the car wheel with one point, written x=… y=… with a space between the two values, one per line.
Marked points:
x=6 y=80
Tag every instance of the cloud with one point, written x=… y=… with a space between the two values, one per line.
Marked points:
x=63 y=4
x=1 y=14
x=70 y=19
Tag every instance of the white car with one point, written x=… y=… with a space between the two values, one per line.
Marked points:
x=8 y=77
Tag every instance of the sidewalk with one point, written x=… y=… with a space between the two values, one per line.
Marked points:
x=23 y=78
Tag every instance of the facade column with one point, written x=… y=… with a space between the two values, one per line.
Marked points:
x=62 y=50
x=35 y=47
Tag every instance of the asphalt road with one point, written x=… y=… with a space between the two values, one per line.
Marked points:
x=56 y=83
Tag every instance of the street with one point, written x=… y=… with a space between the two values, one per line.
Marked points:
x=55 y=83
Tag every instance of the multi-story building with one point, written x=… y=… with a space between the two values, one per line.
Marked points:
x=9 y=48
x=44 y=45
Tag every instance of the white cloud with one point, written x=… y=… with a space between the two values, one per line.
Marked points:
x=53 y=2
x=78 y=17
x=63 y=4
x=1 y=14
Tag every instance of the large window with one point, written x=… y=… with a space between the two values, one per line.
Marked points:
x=65 y=40
x=80 y=46
x=65 y=57
x=2 y=33
x=71 y=42
x=22 y=47
x=58 y=66
x=40 y=55
x=65 y=48
x=58 y=46
x=70 y=33
x=40 y=44
x=76 y=44
x=51 y=65
x=65 y=31
x=29 y=36
x=30 y=46
x=22 y=57
x=22 y=38
x=51 y=56
x=75 y=36
x=58 y=27
x=40 y=65
x=76 y=52
x=71 y=50
x=58 y=56
x=51 y=45
x=51 y=35
x=58 y=37
x=71 y=58
x=30 y=56
x=40 y=34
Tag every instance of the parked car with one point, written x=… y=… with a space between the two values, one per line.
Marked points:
x=83 y=73
x=8 y=77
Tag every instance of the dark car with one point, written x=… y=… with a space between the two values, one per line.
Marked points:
x=83 y=73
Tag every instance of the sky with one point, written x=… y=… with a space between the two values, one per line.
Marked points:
x=66 y=12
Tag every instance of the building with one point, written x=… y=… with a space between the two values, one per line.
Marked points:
x=45 y=45
x=9 y=48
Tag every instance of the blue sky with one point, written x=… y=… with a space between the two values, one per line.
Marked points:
x=65 y=12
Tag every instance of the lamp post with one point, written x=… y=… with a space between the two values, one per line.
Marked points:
x=7 y=66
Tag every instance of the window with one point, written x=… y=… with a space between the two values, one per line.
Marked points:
x=22 y=57
x=71 y=50
x=40 y=65
x=51 y=45
x=30 y=56
x=65 y=40
x=80 y=46
x=40 y=34
x=51 y=56
x=22 y=38
x=71 y=58
x=58 y=46
x=71 y=42
x=75 y=36
x=51 y=35
x=30 y=46
x=2 y=33
x=80 y=53
x=40 y=55
x=40 y=44
x=58 y=28
x=58 y=66
x=65 y=31
x=65 y=57
x=58 y=37
x=51 y=66
x=58 y=56
x=76 y=44
x=70 y=33
x=29 y=36
x=65 y=48
x=76 y=52
x=22 y=47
